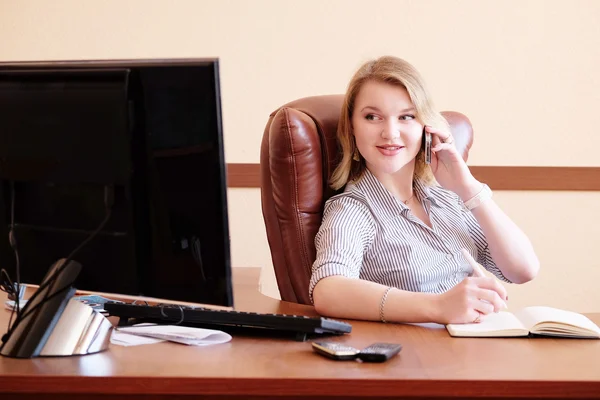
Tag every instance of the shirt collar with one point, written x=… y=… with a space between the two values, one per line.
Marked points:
x=381 y=200
x=425 y=191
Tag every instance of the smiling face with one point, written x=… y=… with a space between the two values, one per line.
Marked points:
x=387 y=133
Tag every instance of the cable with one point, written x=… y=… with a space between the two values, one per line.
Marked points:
x=7 y=285
x=13 y=244
x=108 y=202
x=51 y=280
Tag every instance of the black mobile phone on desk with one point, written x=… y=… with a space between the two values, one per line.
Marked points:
x=335 y=351
x=427 y=145
x=379 y=352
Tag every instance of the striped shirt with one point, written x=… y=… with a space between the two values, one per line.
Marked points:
x=367 y=233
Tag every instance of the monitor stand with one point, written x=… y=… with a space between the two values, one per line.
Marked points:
x=62 y=325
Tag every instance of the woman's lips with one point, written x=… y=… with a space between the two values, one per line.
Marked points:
x=389 y=150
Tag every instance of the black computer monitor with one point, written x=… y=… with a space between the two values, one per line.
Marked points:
x=149 y=134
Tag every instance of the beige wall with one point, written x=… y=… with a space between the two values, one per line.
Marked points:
x=525 y=72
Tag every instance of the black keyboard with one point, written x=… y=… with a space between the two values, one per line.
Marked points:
x=226 y=320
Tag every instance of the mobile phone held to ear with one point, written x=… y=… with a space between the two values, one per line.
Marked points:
x=427 y=146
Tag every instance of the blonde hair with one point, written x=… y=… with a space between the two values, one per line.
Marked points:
x=397 y=72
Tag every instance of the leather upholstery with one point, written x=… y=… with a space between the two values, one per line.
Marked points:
x=298 y=155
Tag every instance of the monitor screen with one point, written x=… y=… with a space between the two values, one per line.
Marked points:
x=149 y=133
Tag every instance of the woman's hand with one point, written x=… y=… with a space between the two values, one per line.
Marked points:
x=448 y=166
x=470 y=300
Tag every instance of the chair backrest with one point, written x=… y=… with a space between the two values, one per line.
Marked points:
x=299 y=152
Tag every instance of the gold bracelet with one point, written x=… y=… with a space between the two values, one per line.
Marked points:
x=382 y=304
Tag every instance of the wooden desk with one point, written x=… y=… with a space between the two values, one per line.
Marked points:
x=432 y=364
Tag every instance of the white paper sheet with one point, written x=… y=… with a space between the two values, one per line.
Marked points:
x=173 y=333
x=126 y=339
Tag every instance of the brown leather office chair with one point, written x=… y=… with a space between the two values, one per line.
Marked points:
x=299 y=152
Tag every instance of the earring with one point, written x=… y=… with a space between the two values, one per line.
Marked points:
x=356 y=155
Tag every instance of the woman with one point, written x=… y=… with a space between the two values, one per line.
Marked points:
x=390 y=246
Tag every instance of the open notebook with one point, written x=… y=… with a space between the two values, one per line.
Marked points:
x=545 y=321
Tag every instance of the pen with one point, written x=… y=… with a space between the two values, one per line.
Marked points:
x=477 y=268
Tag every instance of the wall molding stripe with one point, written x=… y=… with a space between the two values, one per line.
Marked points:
x=497 y=177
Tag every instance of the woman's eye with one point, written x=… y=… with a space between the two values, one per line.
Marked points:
x=407 y=117
x=371 y=117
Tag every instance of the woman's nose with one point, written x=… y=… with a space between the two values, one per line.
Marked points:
x=391 y=130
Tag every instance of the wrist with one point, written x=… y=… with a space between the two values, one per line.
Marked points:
x=469 y=190
x=481 y=197
x=432 y=307
x=412 y=307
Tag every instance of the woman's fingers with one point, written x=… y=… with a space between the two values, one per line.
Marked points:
x=439 y=136
x=492 y=299
x=491 y=284
x=483 y=307
x=442 y=146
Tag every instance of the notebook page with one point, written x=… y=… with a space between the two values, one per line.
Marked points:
x=495 y=323
x=531 y=316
